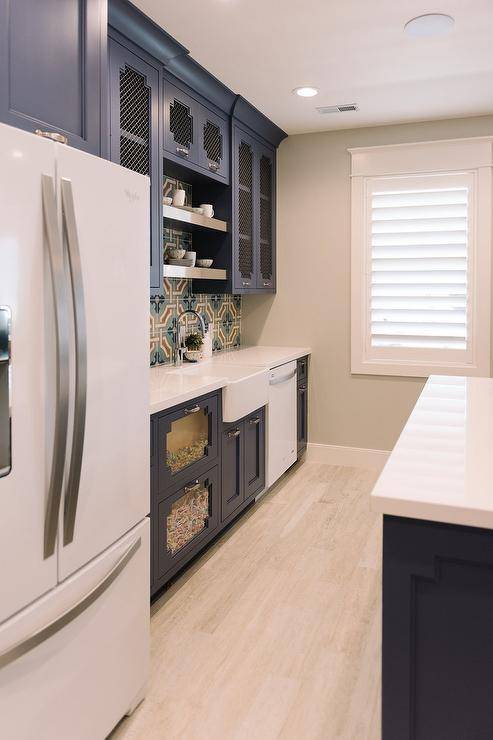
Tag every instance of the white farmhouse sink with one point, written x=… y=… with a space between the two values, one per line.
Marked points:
x=246 y=388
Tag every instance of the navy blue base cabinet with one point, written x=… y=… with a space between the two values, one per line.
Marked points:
x=302 y=405
x=53 y=67
x=203 y=475
x=437 y=631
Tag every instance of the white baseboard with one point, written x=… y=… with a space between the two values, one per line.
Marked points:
x=356 y=457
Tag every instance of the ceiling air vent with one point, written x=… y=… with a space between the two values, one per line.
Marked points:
x=337 y=108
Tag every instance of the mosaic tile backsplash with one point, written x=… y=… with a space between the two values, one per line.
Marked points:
x=223 y=310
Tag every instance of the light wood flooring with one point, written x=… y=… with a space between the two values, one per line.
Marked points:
x=275 y=631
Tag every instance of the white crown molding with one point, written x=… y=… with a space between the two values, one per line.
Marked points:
x=444 y=155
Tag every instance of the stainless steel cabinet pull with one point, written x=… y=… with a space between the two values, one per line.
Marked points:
x=213 y=166
x=302 y=388
x=23 y=647
x=53 y=135
x=255 y=420
x=192 y=486
x=234 y=433
x=5 y=386
x=79 y=422
x=62 y=362
x=245 y=283
x=192 y=410
x=266 y=283
x=182 y=151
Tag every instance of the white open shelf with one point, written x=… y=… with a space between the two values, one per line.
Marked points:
x=197 y=273
x=193 y=220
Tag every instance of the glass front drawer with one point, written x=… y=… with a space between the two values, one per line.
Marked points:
x=186 y=519
x=187 y=442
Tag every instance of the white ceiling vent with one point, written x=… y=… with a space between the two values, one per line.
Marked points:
x=345 y=108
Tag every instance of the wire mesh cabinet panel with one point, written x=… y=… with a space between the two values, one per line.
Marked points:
x=265 y=274
x=181 y=125
x=134 y=134
x=244 y=218
x=214 y=144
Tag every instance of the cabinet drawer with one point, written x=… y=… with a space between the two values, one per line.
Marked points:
x=302 y=369
x=187 y=442
x=185 y=521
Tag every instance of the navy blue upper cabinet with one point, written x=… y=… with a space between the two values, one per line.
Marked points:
x=254 y=229
x=134 y=134
x=195 y=136
x=52 y=63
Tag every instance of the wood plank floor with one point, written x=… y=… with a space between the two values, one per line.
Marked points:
x=275 y=631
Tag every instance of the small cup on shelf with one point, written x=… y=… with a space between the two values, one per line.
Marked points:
x=191 y=256
x=207 y=210
x=178 y=197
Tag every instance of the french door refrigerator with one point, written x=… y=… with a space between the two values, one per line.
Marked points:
x=74 y=440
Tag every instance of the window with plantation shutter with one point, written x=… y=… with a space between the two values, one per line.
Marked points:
x=421 y=272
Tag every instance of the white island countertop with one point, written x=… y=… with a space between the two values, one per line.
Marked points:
x=441 y=468
x=169 y=386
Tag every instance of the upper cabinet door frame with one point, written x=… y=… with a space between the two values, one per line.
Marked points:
x=121 y=57
x=183 y=150
x=51 y=80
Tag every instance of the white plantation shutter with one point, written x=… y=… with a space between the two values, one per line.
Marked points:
x=419 y=267
x=421 y=258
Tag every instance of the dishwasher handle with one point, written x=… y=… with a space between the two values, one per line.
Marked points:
x=282 y=378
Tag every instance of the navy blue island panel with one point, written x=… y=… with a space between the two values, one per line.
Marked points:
x=52 y=62
x=437 y=657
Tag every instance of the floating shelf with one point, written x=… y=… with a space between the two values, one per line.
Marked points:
x=193 y=220
x=197 y=273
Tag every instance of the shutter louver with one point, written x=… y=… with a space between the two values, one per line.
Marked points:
x=419 y=264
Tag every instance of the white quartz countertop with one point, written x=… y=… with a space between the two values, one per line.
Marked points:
x=441 y=468
x=170 y=387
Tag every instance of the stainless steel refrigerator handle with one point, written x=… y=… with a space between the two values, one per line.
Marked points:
x=55 y=251
x=282 y=379
x=5 y=386
x=44 y=633
x=79 y=424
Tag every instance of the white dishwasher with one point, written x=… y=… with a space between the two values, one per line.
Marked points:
x=281 y=421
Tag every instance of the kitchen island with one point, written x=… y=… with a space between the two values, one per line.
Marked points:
x=436 y=494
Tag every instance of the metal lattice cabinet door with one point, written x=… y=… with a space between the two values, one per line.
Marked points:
x=244 y=223
x=181 y=129
x=266 y=219
x=214 y=145
x=134 y=134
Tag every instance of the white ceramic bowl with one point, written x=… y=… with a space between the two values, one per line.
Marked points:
x=204 y=263
x=167 y=201
x=176 y=254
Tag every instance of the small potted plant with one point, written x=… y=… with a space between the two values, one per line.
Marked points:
x=193 y=343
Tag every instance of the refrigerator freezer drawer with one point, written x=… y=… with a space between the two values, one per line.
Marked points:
x=78 y=657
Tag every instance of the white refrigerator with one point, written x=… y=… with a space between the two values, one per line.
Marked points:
x=74 y=440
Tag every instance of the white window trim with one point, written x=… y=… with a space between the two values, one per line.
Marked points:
x=473 y=156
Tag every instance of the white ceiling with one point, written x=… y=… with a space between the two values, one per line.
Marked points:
x=352 y=50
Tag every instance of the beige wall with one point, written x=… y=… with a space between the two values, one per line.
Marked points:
x=312 y=305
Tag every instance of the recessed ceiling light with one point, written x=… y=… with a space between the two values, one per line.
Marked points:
x=431 y=24
x=305 y=92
